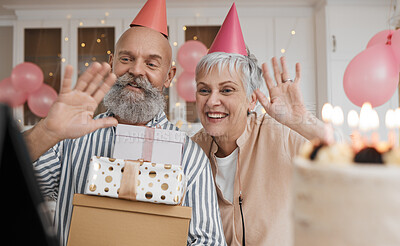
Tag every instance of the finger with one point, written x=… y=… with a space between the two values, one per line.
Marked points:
x=277 y=71
x=87 y=76
x=67 y=80
x=105 y=87
x=98 y=78
x=264 y=100
x=298 y=73
x=103 y=123
x=285 y=72
x=267 y=77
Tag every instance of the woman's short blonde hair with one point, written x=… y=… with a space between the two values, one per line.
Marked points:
x=244 y=66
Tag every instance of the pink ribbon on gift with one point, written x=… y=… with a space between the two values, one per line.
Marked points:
x=147 y=148
x=129 y=180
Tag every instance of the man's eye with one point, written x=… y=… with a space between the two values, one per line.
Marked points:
x=151 y=64
x=124 y=59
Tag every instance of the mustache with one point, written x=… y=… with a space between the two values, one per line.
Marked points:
x=129 y=79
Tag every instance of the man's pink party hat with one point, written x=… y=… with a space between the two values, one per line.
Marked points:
x=230 y=37
x=153 y=15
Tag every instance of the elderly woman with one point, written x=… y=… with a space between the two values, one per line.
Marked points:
x=251 y=154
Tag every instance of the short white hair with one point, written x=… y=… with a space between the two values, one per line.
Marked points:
x=244 y=66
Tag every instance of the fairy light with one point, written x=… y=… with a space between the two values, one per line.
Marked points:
x=283 y=51
x=66 y=39
x=108 y=51
x=98 y=40
x=81 y=23
x=293 y=32
x=83 y=44
x=184 y=28
x=175 y=44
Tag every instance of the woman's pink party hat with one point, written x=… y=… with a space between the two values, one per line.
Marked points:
x=153 y=15
x=230 y=37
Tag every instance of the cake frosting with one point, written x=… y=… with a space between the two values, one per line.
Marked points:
x=344 y=197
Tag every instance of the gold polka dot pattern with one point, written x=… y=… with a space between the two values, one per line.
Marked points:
x=157 y=183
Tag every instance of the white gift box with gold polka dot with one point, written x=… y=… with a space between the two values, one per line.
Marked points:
x=157 y=183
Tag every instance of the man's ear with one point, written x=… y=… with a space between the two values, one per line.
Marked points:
x=170 y=76
x=253 y=101
x=111 y=60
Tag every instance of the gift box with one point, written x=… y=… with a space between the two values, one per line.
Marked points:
x=98 y=221
x=136 y=180
x=149 y=144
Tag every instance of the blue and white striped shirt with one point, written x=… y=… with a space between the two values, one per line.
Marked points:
x=63 y=169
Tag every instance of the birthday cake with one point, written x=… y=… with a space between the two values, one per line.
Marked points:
x=343 y=196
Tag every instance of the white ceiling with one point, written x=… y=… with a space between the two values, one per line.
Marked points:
x=7 y=7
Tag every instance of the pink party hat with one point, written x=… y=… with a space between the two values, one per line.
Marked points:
x=153 y=15
x=230 y=37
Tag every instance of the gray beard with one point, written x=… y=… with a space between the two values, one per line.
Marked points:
x=134 y=107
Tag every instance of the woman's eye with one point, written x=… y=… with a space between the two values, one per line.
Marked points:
x=203 y=91
x=226 y=90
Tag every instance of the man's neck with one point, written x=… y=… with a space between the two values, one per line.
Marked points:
x=121 y=121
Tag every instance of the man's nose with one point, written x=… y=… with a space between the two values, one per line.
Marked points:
x=137 y=69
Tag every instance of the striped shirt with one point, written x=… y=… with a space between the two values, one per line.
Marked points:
x=63 y=169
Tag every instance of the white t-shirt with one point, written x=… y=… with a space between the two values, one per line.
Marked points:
x=225 y=177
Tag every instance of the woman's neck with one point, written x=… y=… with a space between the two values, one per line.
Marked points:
x=225 y=146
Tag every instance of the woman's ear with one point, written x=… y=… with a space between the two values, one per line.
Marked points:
x=252 y=101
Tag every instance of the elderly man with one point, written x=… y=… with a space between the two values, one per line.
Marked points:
x=62 y=143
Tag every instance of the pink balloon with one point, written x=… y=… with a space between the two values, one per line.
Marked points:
x=381 y=37
x=9 y=95
x=372 y=76
x=396 y=44
x=40 y=101
x=27 y=77
x=190 y=53
x=186 y=86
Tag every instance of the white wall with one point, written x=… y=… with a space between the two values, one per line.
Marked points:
x=352 y=25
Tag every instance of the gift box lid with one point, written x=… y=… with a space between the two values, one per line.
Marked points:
x=132 y=206
x=159 y=134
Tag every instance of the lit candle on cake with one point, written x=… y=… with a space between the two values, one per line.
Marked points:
x=327 y=112
x=390 y=125
x=374 y=127
x=352 y=121
x=365 y=118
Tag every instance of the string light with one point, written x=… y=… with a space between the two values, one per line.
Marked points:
x=50 y=74
x=63 y=59
x=98 y=40
x=83 y=44
x=106 y=14
x=108 y=51
x=173 y=63
x=283 y=51
x=66 y=39
x=102 y=21
x=195 y=37
x=86 y=64
x=81 y=23
x=293 y=32
x=184 y=28
x=175 y=44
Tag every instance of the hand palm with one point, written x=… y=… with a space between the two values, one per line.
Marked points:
x=71 y=116
x=286 y=103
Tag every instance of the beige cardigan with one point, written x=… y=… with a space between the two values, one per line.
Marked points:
x=266 y=150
